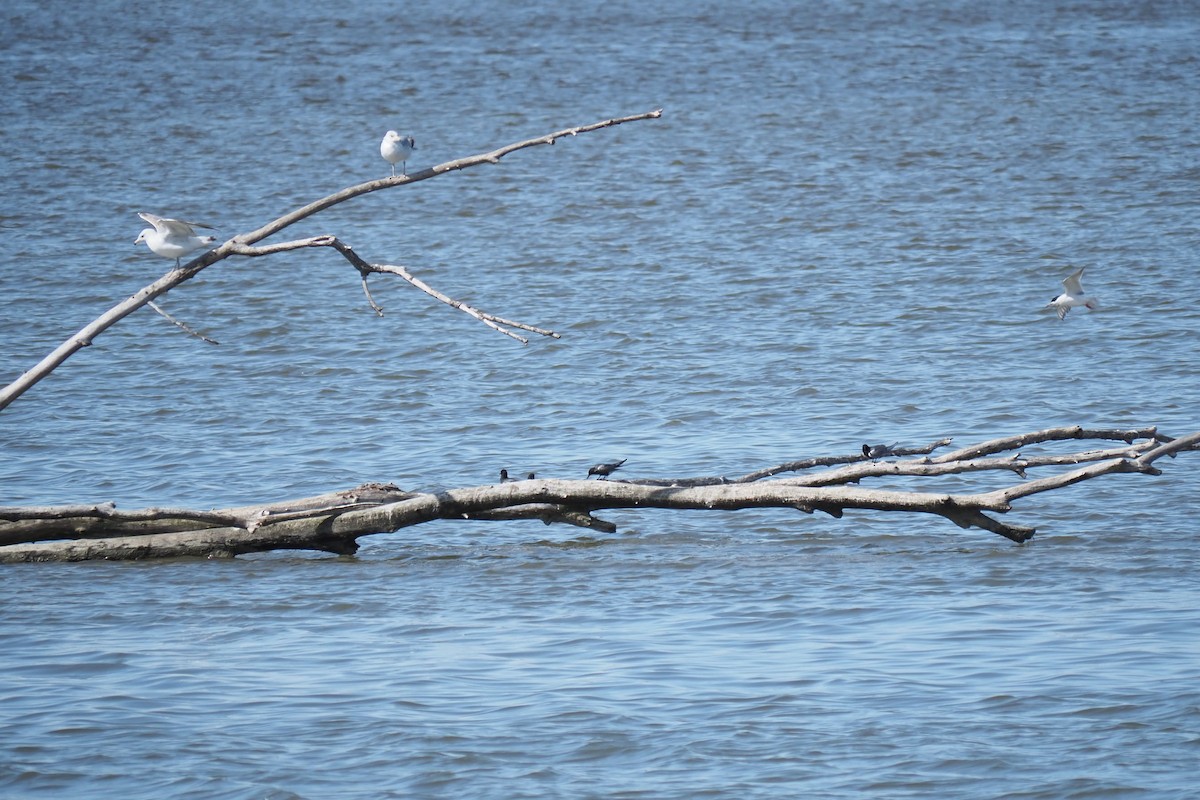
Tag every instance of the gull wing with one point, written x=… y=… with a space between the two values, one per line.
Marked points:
x=1072 y=283
x=172 y=227
x=153 y=220
x=193 y=224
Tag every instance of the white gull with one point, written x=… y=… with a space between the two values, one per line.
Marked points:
x=172 y=238
x=396 y=149
x=1073 y=296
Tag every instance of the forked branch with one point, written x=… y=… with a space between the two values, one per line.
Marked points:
x=366 y=268
x=241 y=245
x=334 y=522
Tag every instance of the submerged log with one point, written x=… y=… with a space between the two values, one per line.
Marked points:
x=334 y=522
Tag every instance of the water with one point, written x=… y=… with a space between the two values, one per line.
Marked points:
x=843 y=229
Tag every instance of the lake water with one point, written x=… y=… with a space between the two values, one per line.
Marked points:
x=844 y=228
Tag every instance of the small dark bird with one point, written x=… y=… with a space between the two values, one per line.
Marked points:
x=530 y=476
x=504 y=476
x=604 y=470
x=878 y=450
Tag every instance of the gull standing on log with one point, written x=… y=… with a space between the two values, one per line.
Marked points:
x=172 y=238
x=1073 y=296
x=396 y=148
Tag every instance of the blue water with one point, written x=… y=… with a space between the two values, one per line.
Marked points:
x=844 y=228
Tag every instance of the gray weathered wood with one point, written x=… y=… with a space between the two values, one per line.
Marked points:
x=334 y=522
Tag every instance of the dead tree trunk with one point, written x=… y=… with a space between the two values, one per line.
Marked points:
x=334 y=522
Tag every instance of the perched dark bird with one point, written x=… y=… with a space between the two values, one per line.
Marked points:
x=504 y=476
x=604 y=470
x=878 y=450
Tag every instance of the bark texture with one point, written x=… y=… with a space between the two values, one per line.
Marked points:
x=335 y=521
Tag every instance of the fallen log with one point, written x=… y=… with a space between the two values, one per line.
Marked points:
x=334 y=522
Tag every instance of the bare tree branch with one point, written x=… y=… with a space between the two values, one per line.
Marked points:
x=366 y=268
x=1005 y=496
x=40 y=523
x=928 y=468
x=378 y=309
x=547 y=513
x=1171 y=447
x=491 y=157
x=239 y=245
x=825 y=461
x=966 y=518
x=182 y=325
x=1049 y=434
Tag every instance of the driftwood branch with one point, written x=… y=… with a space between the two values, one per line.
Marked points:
x=183 y=326
x=335 y=521
x=241 y=245
x=366 y=268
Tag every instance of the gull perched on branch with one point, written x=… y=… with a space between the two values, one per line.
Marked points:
x=1073 y=296
x=396 y=148
x=172 y=238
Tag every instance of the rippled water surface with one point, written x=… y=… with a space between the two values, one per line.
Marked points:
x=843 y=229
